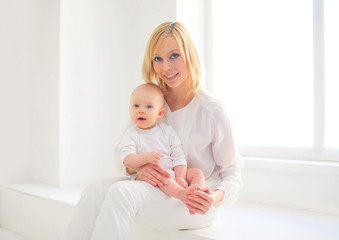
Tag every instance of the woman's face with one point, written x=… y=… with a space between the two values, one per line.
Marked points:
x=168 y=63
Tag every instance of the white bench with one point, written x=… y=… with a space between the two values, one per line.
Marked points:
x=39 y=212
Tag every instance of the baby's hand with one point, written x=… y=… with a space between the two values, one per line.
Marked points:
x=154 y=157
x=182 y=182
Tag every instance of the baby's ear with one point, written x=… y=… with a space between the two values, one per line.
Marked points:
x=161 y=113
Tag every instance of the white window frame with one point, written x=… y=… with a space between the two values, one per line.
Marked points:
x=318 y=151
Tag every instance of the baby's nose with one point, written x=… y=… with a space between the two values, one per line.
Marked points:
x=141 y=110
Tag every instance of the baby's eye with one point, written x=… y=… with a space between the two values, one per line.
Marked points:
x=136 y=105
x=157 y=59
x=149 y=106
x=174 y=55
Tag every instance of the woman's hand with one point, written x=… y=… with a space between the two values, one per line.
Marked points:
x=202 y=200
x=153 y=174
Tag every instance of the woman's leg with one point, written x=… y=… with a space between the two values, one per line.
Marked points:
x=127 y=201
x=122 y=202
x=172 y=214
x=86 y=211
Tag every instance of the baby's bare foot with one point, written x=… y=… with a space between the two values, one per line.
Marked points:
x=191 y=189
x=188 y=191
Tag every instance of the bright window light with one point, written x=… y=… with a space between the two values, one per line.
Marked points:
x=331 y=9
x=263 y=70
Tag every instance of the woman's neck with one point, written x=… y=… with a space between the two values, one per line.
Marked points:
x=177 y=98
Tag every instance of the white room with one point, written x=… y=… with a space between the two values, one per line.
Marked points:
x=68 y=68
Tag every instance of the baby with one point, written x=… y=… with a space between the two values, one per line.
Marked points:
x=157 y=143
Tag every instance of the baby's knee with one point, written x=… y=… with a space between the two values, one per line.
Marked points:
x=196 y=172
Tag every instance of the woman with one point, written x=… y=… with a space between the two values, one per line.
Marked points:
x=108 y=208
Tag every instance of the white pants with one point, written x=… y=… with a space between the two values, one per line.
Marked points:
x=108 y=208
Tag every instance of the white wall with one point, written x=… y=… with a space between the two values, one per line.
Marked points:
x=194 y=17
x=102 y=46
x=67 y=69
x=28 y=92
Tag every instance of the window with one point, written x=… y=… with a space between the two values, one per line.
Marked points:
x=268 y=67
x=332 y=73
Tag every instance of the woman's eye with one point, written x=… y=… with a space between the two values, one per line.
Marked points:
x=149 y=106
x=175 y=55
x=157 y=59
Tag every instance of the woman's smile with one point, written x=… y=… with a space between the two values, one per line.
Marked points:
x=171 y=77
x=168 y=63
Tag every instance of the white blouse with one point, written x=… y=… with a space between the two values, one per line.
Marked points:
x=209 y=144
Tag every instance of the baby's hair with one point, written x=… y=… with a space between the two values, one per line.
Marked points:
x=156 y=88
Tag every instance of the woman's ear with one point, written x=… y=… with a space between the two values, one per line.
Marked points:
x=161 y=113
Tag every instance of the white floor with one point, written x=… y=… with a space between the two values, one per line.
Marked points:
x=6 y=235
x=264 y=222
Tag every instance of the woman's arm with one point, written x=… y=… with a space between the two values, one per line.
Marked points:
x=227 y=158
x=219 y=195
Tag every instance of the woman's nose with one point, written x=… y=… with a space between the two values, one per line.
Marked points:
x=167 y=66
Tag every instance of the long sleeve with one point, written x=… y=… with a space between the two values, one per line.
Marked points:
x=226 y=155
x=209 y=143
x=126 y=146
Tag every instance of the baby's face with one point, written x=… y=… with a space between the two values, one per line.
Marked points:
x=145 y=107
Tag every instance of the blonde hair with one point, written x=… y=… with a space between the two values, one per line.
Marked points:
x=186 y=48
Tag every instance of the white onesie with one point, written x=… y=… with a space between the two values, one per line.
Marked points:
x=162 y=138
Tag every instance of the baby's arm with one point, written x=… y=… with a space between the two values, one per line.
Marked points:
x=134 y=160
x=180 y=175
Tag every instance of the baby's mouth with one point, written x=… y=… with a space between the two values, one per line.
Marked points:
x=141 y=119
